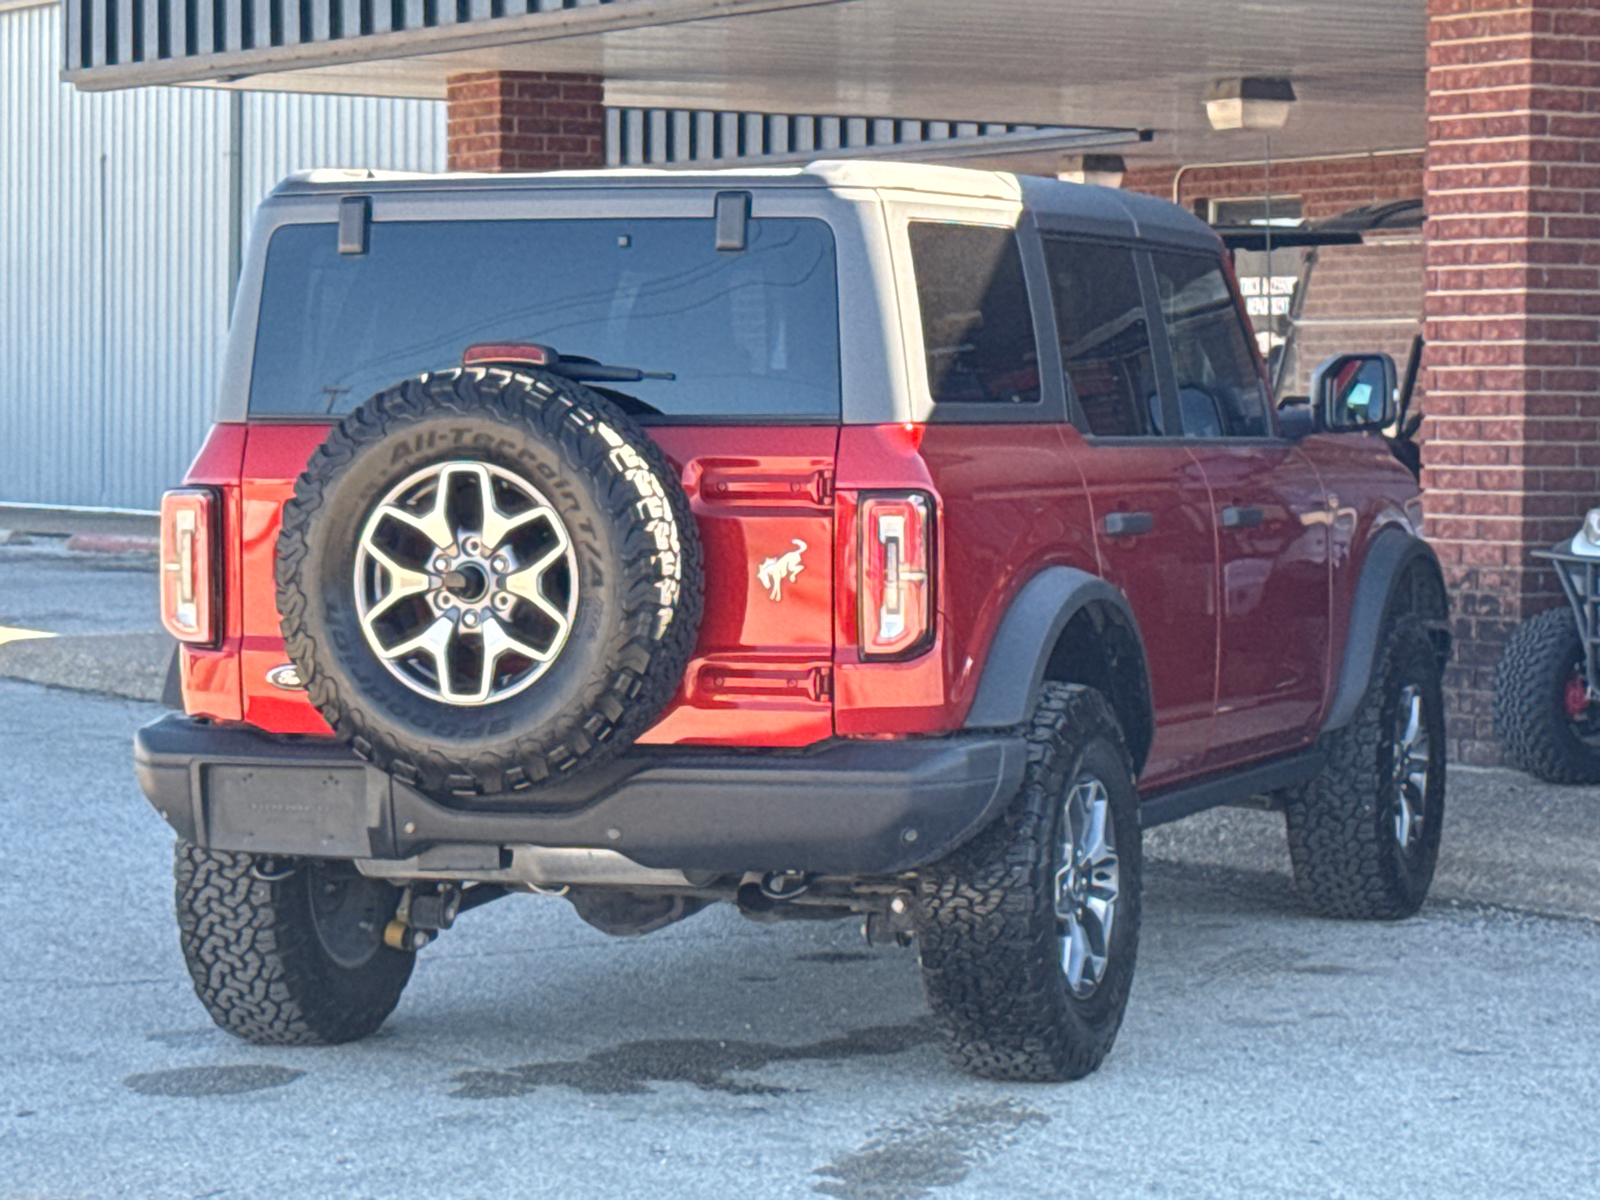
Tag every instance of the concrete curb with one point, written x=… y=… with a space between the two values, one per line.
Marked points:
x=132 y=665
x=1509 y=841
x=113 y=543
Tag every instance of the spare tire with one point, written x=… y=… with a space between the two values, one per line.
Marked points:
x=488 y=579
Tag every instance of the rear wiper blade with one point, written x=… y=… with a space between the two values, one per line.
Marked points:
x=585 y=371
x=573 y=367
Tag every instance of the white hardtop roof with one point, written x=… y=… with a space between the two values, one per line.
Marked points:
x=841 y=173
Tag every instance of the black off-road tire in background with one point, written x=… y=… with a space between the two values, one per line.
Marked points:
x=638 y=580
x=288 y=952
x=988 y=930
x=1530 y=715
x=1342 y=826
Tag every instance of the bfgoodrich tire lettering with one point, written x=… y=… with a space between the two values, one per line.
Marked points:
x=988 y=926
x=638 y=589
x=291 y=956
x=1345 y=826
x=1530 y=715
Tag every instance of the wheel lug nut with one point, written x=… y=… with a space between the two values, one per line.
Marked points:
x=441 y=564
x=469 y=619
x=503 y=601
x=500 y=563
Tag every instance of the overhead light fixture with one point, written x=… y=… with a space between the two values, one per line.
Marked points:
x=1102 y=170
x=1251 y=103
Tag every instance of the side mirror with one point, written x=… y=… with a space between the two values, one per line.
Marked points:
x=1356 y=392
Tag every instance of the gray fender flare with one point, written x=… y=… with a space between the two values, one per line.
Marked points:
x=1390 y=554
x=1020 y=652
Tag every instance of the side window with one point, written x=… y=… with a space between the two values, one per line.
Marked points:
x=977 y=326
x=1219 y=386
x=1105 y=338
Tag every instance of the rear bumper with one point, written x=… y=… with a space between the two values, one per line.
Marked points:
x=855 y=808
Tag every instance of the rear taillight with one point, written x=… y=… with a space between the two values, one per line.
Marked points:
x=896 y=588
x=188 y=565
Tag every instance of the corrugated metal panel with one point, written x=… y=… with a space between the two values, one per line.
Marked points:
x=114 y=257
x=671 y=137
x=105 y=33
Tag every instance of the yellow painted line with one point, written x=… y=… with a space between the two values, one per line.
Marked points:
x=10 y=633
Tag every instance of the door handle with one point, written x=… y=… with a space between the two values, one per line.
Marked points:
x=1127 y=524
x=1234 y=517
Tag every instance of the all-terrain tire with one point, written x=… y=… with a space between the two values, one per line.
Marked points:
x=1530 y=715
x=261 y=960
x=1347 y=856
x=638 y=584
x=988 y=930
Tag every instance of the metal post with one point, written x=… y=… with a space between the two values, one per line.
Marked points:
x=235 y=194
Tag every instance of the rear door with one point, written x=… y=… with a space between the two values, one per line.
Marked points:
x=1148 y=497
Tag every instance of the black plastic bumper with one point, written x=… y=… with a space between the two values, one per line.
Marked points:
x=858 y=808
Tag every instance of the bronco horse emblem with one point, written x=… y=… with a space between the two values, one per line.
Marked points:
x=774 y=571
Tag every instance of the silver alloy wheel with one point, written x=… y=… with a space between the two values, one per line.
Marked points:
x=1410 y=759
x=466 y=583
x=1086 y=885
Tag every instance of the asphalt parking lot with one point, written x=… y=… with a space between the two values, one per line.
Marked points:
x=1266 y=1053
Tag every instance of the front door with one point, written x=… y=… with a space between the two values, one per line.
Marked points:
x=1148 y=496
x=1269 y=513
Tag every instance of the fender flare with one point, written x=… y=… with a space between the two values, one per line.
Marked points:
x=1019 y=654
x=1390 y=554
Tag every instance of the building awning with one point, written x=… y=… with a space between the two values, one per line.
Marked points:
x=1357 y=65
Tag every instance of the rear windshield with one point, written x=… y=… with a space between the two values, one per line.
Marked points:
x=750 y=334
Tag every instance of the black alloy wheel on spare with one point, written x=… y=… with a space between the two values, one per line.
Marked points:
x=488 y=579
x=1547 y=722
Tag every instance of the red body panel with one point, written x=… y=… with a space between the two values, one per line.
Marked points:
x=1170 y=578
x=1365 y=491
x=760 y=672
x=1272 y=664
x=996 y=530
x=211 y=677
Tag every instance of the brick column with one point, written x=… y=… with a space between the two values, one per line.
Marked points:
x=1512 y=308
x=526 y=121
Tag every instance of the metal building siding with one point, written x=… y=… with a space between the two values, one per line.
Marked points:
x=286 y=132
x=114 y=256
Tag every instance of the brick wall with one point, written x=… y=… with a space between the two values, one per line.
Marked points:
x=526 y=121
x=1361 y=298
x=1326 y=187
x=1511 y=445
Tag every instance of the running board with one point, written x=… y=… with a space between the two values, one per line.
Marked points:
x=1232 y=788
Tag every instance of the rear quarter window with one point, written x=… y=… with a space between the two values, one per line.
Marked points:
x=977 y=325
x=749 y=335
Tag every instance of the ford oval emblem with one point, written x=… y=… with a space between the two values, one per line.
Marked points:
x=287 y=677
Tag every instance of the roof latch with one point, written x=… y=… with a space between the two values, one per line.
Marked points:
x=355 y=215
x=733 y=218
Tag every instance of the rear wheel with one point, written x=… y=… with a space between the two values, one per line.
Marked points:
x=1028 y=934
x=1547 y=723
x=288 y=952
x=1364 y=834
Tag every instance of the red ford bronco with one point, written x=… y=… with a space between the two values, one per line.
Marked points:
x=863 y=539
